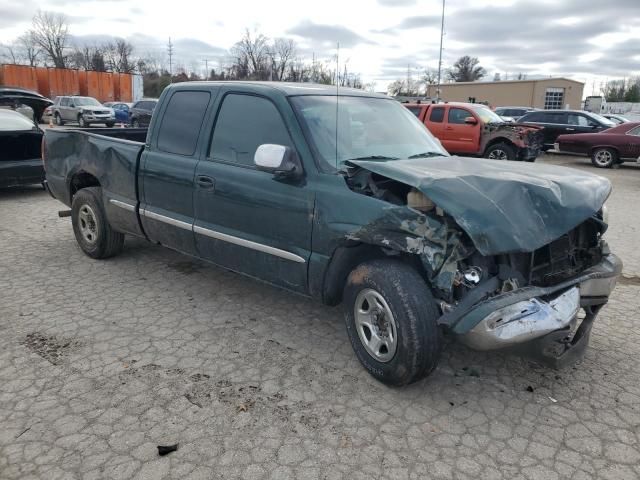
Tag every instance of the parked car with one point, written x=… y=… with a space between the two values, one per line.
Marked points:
x=27 y=102
x=121 y=110
x=513 y=112
x=350 y=199
x=84 y=110
x=559 y=122
x=606 y=148
x=140 y=113
x=615 y=118
x=20 y=160
x=473 y=129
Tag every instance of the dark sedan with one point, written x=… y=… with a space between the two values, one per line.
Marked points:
x=559 y=122
x=20 y=159
x=606 y=148
x=141 y=111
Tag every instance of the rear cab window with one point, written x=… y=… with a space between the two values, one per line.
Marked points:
x=182 y=121
x=436 y=115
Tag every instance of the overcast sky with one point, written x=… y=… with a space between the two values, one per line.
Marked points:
x=589 y=40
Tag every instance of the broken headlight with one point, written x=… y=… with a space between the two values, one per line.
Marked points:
x=604 y=213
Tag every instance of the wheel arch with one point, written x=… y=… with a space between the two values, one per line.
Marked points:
x=497 y=140
x=80 y=180
x=347 y=257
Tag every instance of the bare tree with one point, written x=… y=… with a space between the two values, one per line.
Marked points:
x=9 y=53
x=30 y=49
x=119 y=56
x=88 y=58
x=430 y=76
x=282 y=54
x=51 y=32
x=251 y=57
x=466 y=69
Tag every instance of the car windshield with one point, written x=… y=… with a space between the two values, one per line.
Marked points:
x=86 y=102
x=604 y=121
x=487 y=115
x=13 y=121
x=366 y=128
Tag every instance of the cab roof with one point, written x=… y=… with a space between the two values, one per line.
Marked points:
x=288 y=88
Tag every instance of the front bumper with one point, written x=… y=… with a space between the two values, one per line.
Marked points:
x=91 y=117
x=545 y=319
x=21 y=172
x=528 y=153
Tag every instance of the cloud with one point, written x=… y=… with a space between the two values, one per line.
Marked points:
x=396 y=3
x=13 y=13
x=410 y=23
x=328 y=34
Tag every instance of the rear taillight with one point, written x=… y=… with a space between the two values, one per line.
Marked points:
x=43 y=151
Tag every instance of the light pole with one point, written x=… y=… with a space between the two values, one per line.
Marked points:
x=440 y=57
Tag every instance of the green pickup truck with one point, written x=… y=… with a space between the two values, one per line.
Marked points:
x=348 y=198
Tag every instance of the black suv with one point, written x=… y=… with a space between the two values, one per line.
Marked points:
x=140 y=113
x=560 y=122
x=513 y=112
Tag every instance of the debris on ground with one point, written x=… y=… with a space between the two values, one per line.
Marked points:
x=529 y=389
x=166 y=449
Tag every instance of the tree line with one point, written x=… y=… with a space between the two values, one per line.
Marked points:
x=254 y=57
x=625 y=90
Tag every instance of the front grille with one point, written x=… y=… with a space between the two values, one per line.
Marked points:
x=567 y=256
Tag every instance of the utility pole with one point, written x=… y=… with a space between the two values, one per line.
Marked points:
x=170 y=52
x=206 y=69
x=440 y=57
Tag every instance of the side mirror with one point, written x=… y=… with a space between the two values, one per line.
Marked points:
x=72 y=105
x=279 y=160
x=470 y=121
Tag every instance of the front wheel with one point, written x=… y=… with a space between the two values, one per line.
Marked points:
x=604 y=157
x=391 y=320
x=110 y=124
x=93 y=233
x=136 y=124
x=59 y=120
x=500 y=151
x=82 y=122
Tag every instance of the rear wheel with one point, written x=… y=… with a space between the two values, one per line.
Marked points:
x=92 y=230
x=59 y=120
x=391 y=320
x=500 y=151
x=604 y=157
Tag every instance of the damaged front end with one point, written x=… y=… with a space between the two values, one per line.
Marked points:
x=500 y=283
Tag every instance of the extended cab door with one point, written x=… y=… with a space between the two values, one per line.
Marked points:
x=461 y=137
x=247 y=220
x=168 y=167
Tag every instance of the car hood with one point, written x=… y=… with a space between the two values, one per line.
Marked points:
x=502 y=206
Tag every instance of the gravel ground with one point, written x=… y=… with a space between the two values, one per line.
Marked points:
x=102 y=361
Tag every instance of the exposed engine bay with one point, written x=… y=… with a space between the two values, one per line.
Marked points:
x=454 y=266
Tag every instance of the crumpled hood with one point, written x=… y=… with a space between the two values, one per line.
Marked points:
x=502 y=206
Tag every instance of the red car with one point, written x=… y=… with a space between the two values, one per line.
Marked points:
x=606 y=148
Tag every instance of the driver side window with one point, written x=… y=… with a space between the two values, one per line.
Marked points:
x=457 y=115
x=244 y=123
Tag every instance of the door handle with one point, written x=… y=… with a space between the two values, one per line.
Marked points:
x=204 y=181
x=570 y=129
x=449 y=128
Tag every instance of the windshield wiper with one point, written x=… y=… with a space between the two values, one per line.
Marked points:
x=426 y=155
x=372 y=157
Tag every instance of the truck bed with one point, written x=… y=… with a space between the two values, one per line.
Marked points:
x=104 y=157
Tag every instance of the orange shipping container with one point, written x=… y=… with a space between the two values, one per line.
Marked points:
x=19 y=76
x=82 y=82
x=106 y=87
x=124 y=87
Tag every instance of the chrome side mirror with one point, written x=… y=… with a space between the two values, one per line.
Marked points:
x=281 y=161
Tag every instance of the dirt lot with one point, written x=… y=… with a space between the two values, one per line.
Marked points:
x=102 y=361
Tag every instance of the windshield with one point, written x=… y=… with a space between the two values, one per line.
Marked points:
x=367 y=128
x=13 y=121
x=604 y=121
x=86 y=101
x=487 y=115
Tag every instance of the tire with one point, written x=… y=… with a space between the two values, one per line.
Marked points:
x=135 y=124
x=110 y=124
x=81 y=122
x=90 y=226
x=500 y=151
x=604 y=157
x=398 y=289
x=59 y=120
